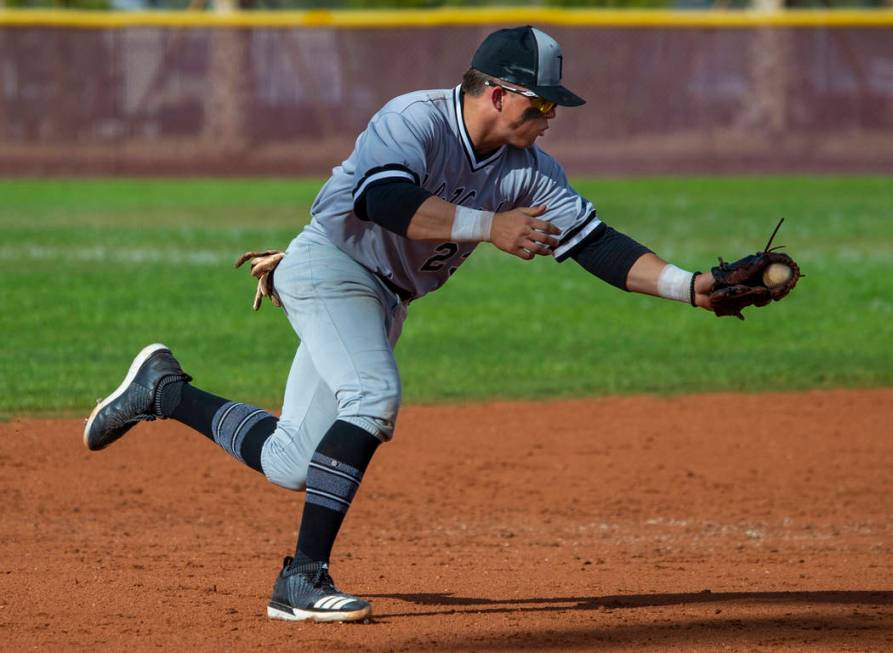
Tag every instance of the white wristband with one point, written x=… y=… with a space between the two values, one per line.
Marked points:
x=471 y=225
x=674 y=283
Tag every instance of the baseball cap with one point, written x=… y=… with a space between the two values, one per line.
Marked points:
x=529 y=57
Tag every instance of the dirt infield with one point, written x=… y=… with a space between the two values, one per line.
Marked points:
x=698 y=523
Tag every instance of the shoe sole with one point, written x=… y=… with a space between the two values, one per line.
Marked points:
x=286 y=613
x=141 y=358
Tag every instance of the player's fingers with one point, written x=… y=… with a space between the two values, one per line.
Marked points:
x=260 y=267
x=269 y=290
x=265 y=264
x=537 y=247
x=258 y=297
x=542 y=238
x=253 y=254
x=524 y=253
x=533 y=211
x=545 y=227
x=244 y=257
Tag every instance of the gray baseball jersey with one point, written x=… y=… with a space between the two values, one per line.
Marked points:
x=421 y=137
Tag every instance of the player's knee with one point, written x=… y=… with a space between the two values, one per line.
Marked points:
x=375 y=413
x=383 y=429
x=293 y=482
x=284 y=459
x=290 y=477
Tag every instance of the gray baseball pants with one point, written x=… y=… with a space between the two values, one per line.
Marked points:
x=348 y=322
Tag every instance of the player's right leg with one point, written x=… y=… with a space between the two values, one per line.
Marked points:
x=150 y=390
x=156 y=387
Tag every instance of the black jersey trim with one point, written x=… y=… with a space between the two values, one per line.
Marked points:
x=392 y=204
x=388 y=173
x=577 y=237
x=593 y=236
x=472 y=157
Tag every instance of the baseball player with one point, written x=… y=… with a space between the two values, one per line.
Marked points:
x=434 y=174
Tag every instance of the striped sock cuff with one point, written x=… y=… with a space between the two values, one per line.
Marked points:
x=331 y=483
x=231 y=423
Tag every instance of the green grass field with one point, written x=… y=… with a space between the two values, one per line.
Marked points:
x=91 y=270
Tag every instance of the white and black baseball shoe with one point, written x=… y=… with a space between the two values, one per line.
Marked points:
x=307 y=593
x=139 y=398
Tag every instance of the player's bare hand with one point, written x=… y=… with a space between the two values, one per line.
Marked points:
x=263 y=264
x=703 y=288
x=519 y=232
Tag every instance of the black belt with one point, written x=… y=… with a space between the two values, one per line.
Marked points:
x=402 y=293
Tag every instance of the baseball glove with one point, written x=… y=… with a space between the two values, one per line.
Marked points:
x=262 y=266
x=754 y=280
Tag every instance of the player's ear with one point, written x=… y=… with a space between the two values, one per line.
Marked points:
x=496 y=98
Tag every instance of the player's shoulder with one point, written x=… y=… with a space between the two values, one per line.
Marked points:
x=536 y=160
x=420 y=105
x=543 y=159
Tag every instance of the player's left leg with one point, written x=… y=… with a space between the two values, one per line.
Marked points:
x=348 y=323
x=156 y=387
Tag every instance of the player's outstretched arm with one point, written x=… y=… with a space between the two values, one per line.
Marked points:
x=725 y=290
x=650 y=275
x=619 y=260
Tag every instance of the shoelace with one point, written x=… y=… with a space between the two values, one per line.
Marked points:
x=322 y=580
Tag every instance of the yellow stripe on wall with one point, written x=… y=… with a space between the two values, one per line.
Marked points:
x=448 y=16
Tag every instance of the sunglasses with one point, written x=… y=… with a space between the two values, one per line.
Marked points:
x=542 y=105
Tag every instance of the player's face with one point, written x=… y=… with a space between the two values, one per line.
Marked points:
x=523 y=121
x=529 y=125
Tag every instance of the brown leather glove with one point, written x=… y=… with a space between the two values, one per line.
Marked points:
x=263 y=264
x=746 y=282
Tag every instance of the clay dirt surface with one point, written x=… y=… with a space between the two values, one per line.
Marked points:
x=697 y=523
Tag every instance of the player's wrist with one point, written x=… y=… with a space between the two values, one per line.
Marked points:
x=678 y=284
x=471 y=225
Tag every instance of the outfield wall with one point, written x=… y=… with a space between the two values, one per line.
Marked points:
x=287 y=93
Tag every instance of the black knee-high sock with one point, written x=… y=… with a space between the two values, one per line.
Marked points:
x=239 y=428
x=197 y=409
x=335 y=472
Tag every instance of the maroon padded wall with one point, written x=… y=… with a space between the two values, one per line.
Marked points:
x=169 y=101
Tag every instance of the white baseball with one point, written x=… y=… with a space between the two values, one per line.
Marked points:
x=776 y=274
